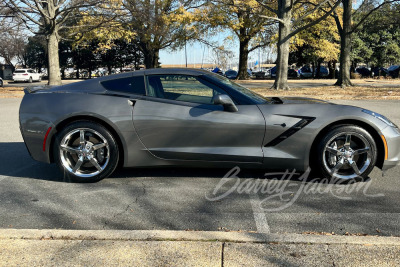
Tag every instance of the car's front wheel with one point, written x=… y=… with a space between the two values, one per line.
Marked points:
x=86 y=151
x=346 y=152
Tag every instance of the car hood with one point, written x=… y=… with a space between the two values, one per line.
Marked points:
x=299 y=100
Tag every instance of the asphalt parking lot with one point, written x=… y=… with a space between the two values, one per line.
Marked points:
x=35 y=196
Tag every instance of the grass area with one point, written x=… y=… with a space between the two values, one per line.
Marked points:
x=323 y=92
x=334 y=92
x=11 y=92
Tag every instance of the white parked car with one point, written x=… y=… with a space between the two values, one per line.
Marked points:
x=26 y=75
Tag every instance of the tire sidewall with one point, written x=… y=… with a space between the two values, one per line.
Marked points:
x=113 y=146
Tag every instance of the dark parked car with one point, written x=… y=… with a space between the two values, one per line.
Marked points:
x=199 y=119
x=364 y=72
x=379 y=71
x=292 y=73
x=231 y=74
x=273 y=72
x=323 y=72
x=305 y=72
x=394 y=71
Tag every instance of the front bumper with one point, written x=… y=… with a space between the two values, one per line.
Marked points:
x=392 y=136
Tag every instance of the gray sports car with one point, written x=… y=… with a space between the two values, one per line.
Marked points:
x=187 y=117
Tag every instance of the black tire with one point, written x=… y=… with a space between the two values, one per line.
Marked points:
x=95 y=155
x=30 y=80
x=339 y=160
x=1 y=83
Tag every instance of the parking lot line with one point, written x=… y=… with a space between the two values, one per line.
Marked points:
x=259 y=215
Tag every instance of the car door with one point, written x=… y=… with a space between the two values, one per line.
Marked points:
x=178 y=121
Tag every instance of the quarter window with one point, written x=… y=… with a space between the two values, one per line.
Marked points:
x=182 y=88
x=129 y=85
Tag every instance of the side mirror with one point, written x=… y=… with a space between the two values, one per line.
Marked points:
x=226 y=102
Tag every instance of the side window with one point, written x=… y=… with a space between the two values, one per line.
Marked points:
x=182 y=88
x=129 y=85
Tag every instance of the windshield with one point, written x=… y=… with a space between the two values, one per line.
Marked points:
x=254 y=96
x=19 y=71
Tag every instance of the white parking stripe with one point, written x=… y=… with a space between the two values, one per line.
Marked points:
x=2 y=177
x=259 y=215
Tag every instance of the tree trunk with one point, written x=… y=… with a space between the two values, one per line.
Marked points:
x=345 y=46
x=282 y=62
x=54 y=62
x=243 y=57
x=151 y=57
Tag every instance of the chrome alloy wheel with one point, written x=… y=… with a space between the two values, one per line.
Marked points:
x=347 y=155
x=84 y=152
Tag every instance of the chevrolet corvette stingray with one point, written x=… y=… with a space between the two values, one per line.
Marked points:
x=188 y=117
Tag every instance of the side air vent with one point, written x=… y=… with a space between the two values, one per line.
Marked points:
x=292 y=130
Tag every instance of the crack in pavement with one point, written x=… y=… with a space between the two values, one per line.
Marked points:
x=330 y=256
x=127 y=207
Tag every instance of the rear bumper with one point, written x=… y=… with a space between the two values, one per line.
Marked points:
x=21 y=79
x=392 y=137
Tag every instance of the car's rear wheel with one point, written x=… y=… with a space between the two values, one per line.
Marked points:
x=86 y=151
x=1 y=83
x=346 y=152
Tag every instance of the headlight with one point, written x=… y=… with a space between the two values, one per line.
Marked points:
x=381 y=117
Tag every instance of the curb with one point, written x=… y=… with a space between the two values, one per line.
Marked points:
x=200 y=236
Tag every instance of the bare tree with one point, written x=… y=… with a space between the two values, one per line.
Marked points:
x=346 y=28
x=47 y=17
x=289 y=26
x=12 y=41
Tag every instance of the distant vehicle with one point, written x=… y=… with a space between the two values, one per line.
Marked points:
x=393 y=71
x=260 y=74
x=217 y=71
x=231 y=74
x=305 y=72
x=323 y=72
x=1 y=82
x=292 y=73
x=379 y=71
x=364 y=72
x=273 y=72
x=26 y=75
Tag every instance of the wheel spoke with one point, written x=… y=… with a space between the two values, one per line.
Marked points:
x=98 y=146
x=348 y=141
x=361 y=151
x=337 y=167
x=333 y=151
x=70 y=149
x=95 y=163
x=353 y=164
x=82 y=137
x=78 y=165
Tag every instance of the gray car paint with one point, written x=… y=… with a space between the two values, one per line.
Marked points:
x=156 y=132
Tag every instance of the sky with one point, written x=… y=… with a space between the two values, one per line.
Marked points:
x=198 y=53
